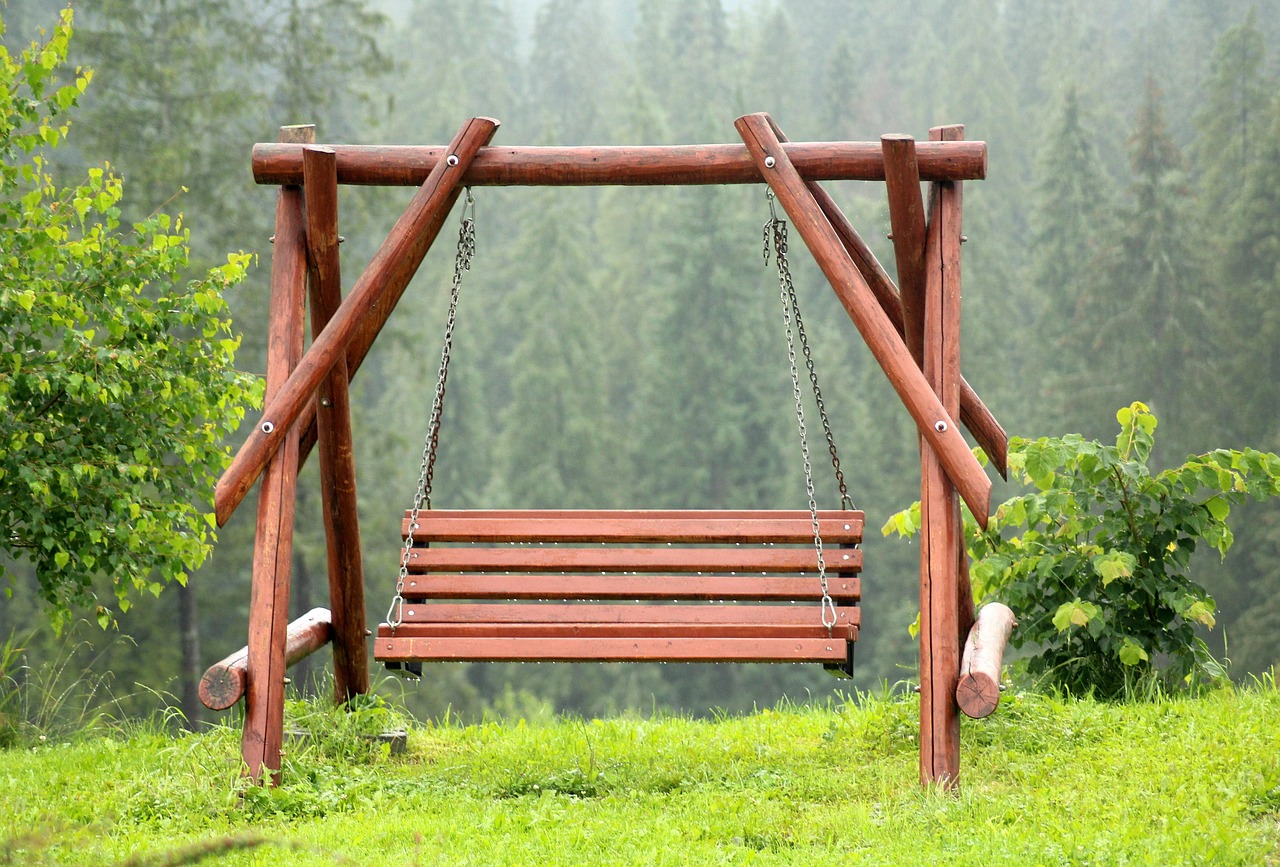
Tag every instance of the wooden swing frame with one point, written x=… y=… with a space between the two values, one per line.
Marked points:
x=912 y=330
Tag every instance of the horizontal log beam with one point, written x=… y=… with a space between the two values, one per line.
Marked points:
x=224 y=682
x=409 y=165
x=978 y=691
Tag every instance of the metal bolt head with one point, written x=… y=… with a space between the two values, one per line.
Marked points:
x=268 y=427
x=453 y=160
x=770 y=162
x=940 y=426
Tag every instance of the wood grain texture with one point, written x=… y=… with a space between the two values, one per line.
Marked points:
x=579 y=526
x=223 y=683
x=360 y=317
x=978 y=691
x=635 y=587
x=906 y=216
x=639 y=649
x=410 y=165
x=884 y=341
x=337 y=448
x=273 y=541
x=608 y=589
x=941 y=534
x=538 y=615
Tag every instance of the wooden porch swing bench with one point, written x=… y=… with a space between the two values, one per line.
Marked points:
x=669 y=586
x=625 y=586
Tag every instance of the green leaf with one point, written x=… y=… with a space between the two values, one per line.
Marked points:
x=1218 y=507
x=1077 y=612
x=1114 y=565
x=1201 y=612
x=1131 y=653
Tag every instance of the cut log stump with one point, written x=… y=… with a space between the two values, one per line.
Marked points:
x=978 y=692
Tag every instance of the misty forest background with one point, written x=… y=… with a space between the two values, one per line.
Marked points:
x=623 y=347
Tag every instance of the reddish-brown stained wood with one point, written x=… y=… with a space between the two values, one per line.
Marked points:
x=949 y=203
x=591 y=629
x=273 y=543
x=606 y=559
x=884 y=341
x=223 y=683
x=973 y=412
x=541 y=649
x=906 y=216
x=754 y=616
x=964 y=594
x=409 y=165
x=978 y=691
x=361 y=316
x=648 y=587
x=942 y=538
x=791 y=527
x=337 y=451
x=435 y=614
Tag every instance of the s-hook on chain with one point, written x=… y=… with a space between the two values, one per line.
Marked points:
x=775 y=234
x=422 y=498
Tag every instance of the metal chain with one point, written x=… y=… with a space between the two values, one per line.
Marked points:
x=422 y=498
x=846 y=501
x=775 y=230
x=784 y=278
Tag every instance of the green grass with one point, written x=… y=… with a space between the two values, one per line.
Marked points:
x=1045 y=781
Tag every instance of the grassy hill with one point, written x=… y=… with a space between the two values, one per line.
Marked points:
x=1046 y=781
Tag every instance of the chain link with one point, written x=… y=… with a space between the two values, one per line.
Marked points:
x=426 y=473
x=775 y=235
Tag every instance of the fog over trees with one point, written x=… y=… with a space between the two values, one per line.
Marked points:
x=621 y=347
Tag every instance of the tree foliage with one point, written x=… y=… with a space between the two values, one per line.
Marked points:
x=117 y=384
x=1096 y=559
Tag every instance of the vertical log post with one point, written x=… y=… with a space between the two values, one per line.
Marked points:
x=273 y=543
x=964 y=590
x=941 y=533
x=906 y=216
x=333 y=425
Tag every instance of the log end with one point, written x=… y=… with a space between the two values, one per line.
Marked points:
x=978 y=692
x=222 y=686
x=978 y=695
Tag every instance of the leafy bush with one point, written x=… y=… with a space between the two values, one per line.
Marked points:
x=1096 y=561
x=117 y=385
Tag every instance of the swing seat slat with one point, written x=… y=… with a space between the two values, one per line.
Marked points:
x=562 y=586
x=492 y=648
x=636 y=587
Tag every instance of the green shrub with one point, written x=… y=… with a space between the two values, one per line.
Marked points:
x=1096 y=560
